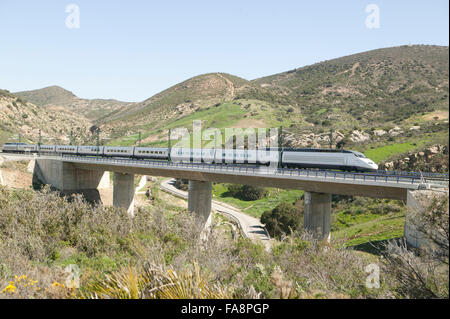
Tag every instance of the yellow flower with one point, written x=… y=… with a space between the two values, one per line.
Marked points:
x=20 y=278
x=10 y=288
x=57 y=284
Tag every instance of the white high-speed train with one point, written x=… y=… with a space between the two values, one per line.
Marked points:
x=290 y=157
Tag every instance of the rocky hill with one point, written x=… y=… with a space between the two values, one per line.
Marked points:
x=433 y=158
x=55 y=123
x=57 y=96
x=376 y=95
x=209 y=96
x=390 y=84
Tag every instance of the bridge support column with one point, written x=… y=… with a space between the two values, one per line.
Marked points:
x=123 y=192
x=317 y=215
x=417 y=202
x=67 y=178
x=199 y=200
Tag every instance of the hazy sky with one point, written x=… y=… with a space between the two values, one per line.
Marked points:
x=130 y=50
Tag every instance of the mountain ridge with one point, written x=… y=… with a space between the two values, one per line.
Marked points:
x=57 y=96
x=367 y=91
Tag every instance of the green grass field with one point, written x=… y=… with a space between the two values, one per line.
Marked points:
x=256 y=208
x=382 y=153
x=364 y=228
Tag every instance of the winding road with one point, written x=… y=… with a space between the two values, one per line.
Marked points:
x=251 y=227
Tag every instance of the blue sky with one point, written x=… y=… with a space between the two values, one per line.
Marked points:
x=130 y=50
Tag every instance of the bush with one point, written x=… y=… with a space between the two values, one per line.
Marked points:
x=424 y=272
x=246 y=192
x=182 y=184
x=155 y=255
x=282 y=219
x=249 y=192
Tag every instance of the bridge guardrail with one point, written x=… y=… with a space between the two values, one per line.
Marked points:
x=430 y=175
x=359 y=176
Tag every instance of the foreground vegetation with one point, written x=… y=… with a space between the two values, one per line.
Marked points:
x=159 y=254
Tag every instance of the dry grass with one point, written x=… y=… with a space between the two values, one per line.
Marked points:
x=159 y=254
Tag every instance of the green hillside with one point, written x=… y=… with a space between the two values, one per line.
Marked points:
x=390 y=84
x=396 y=88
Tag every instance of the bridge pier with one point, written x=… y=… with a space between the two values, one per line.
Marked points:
x=317 y=215
x=417 y=203
x=199 y=200
x=67 y=178
x=123 y=192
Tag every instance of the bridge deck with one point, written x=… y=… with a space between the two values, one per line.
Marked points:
x=325 y=181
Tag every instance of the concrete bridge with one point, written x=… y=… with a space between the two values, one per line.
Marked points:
x=71 y=173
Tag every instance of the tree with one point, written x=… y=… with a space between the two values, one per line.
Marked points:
x=246 y=192
x=249 y=192
x=284 y=218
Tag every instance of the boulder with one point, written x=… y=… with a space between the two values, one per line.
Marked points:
x=379 y=132
x=359 y=136
x=395 y=131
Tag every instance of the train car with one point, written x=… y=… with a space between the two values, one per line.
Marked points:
x=327 y=159
x=268 y=156
x=228 y=156
x=27 y=148
x=237 y=156
x=46 y=148
x=90 y=150
x=208 y=155
x=10 y=147
x=195 y=155
x=151 y=152
x=66 y=149
x=118 y=151
x=180 y=154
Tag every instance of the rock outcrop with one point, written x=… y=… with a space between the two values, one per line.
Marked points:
x=432 y=159
x=359 y=136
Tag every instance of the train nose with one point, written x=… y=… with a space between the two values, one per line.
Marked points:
x=373 y=165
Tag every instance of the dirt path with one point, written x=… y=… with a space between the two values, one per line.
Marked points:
x=2 y=182
x=231 y=85
x=141 y=185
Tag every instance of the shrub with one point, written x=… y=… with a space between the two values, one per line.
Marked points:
x=246 y=192
x=284 y=218
x=156 y=282
x=182 y=184
x=424 y=272
x=249 y=192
